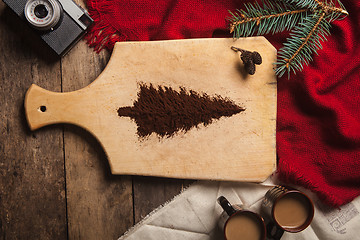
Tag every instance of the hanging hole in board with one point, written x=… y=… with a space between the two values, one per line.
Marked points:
x=42 y=108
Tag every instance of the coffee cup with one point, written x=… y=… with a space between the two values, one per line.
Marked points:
x=239 y=223
x=290 y=210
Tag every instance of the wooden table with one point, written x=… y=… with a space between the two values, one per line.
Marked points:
x=55 y=183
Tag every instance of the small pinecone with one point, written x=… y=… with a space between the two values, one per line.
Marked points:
x=250 y=67
x=246 y=56
x=256 y=57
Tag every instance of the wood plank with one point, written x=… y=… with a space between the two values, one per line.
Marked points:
x=99 y=203
x=32 y=184
x=152 y=192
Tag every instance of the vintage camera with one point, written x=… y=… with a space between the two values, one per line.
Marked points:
x=60 y=23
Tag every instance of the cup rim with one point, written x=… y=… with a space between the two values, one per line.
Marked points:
x=256 y=215
x=308 y=220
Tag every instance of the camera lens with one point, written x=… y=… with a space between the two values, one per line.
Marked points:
x=41 y=11
x=43 y=14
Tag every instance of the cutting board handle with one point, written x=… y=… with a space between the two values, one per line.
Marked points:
x=43 y=107
x=237 y=148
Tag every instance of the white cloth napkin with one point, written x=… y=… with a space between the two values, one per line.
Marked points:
x=194 y=214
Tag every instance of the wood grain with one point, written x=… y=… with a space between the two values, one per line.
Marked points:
x=152 y=192
x=32 y=184
x=55 y=183
x=238 y=148
x=34 y=203
x=99 y=204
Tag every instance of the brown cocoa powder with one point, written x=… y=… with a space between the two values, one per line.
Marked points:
x=165 y=111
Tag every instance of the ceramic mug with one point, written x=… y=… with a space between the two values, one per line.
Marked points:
x=239 y=223
x=290 y=210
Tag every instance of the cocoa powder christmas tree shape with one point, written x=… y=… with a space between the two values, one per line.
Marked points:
x=165 y=111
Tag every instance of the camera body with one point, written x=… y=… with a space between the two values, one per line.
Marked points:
x=60 y=23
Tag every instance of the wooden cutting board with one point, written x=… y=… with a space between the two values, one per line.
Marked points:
x=236 y=148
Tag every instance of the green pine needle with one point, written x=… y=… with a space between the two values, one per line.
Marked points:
x=305 y=39
x=338 y=14
x=308 y=20
x=271 y=17
x=310 y=4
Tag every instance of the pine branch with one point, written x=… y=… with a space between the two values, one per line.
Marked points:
x=310 y=4
x=304 y=40
x=327 y=6
x=272 y=17
x=332 y=11
x=309 y=20
x=317 y=28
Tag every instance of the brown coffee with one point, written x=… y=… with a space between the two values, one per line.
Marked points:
x=291 y=211
x=243 y=227
x=165 y=111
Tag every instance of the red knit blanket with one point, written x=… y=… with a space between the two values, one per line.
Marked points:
x=318 y=121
